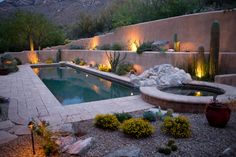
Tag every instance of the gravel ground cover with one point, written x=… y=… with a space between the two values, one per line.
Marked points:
x=205 y=140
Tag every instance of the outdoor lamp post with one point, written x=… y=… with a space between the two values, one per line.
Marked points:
x=31 y=125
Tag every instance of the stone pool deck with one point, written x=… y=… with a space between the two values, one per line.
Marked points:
x=29 y=97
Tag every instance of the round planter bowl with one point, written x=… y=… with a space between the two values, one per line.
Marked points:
x=217 y=115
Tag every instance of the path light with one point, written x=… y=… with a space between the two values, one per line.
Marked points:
x=131 y=93
x=31 y=126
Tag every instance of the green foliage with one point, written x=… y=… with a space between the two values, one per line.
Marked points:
x=16 y=31
x=122 y=116
x=214 y=49
x=79 y=61
x=117 y=47
x=124 y=68
x=115 y=60
x=173 y=147
x=178 y=127
x=104 y=68
x=18 y=61
x=105 y=47
x=137 y=127
x=150 y=116
x=170 y=143
x=107 y=121
x=146 y=46
x=58 y=55
x=76 y=47
x=49 y=146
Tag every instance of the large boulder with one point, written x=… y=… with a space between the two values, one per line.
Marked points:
x=164 y=75
x=160 y=45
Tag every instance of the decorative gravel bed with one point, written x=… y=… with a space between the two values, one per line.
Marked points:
x=205 y=140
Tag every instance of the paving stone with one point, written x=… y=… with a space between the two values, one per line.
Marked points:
x=20 y=130
x=4 y=125
x=6 y=137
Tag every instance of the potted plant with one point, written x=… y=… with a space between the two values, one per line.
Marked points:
x=217 y=114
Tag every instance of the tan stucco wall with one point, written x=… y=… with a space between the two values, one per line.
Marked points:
x=193 y=31
x=142 y=62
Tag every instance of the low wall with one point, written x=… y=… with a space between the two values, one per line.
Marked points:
x=142 y=62
x=193 y=31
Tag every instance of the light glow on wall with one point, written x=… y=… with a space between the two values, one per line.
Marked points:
x=33 y=57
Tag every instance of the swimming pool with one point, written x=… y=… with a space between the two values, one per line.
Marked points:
x=73 y=86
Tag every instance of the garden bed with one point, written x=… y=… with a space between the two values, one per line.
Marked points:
x=205 y=140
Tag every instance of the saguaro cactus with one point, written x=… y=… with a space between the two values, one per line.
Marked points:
x=58 y=56
x=214 y=49
x=176 y=43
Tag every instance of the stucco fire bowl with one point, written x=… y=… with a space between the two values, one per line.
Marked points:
x=191 y=104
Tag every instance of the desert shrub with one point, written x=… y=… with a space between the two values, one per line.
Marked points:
x=173 y=147
x=48 y=144
x=149 y=116
x=49 y=60
x=170 y=146
x=79 y=61
x=137 y=127
x=18 y=61
x=107 y=121
x=170 y=143
x=178 y=127
x=116 y=46
x=122 y=116
x=146 y=46
x=124 y=68
x=102 y=67
x=105 y=47
x=76 y=47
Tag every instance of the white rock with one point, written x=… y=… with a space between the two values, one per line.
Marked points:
x=80 y=147
x=4 y=125
x=6 y=137
x=164 y=75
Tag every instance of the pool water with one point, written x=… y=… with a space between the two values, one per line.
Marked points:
x=71 y=86
x=190 y=90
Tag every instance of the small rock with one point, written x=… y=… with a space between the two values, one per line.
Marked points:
x=65 y=142
x=4 y=125
x=131 y=151
x=6 y=137
x=229 y=152
x=20 y=130
x=80 y=147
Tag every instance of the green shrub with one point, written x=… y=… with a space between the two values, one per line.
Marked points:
x=76 y=47
x=122 y=116
x=124 y=68
x=170 y=143
x=137 y=127
x=107 y=121
x=105 y=47
x=79 y=61
x=167 y=151
x=18 y=61
x=150 y=116
x=117 y=47
x=178 y=127
x=146 y=46
x=173 y=147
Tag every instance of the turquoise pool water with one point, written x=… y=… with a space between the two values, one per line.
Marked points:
x=72 y=86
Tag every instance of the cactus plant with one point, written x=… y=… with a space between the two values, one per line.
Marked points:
x=58 y=56
x=214 y=49
x=176 y=43
x=114 y=60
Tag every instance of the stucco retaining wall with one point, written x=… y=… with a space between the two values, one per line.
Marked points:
x=142 y=62
x=193 y=31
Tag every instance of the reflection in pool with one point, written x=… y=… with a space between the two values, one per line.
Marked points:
x=72 y=86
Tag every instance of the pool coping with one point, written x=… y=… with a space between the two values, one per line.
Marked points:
x=155 y=96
